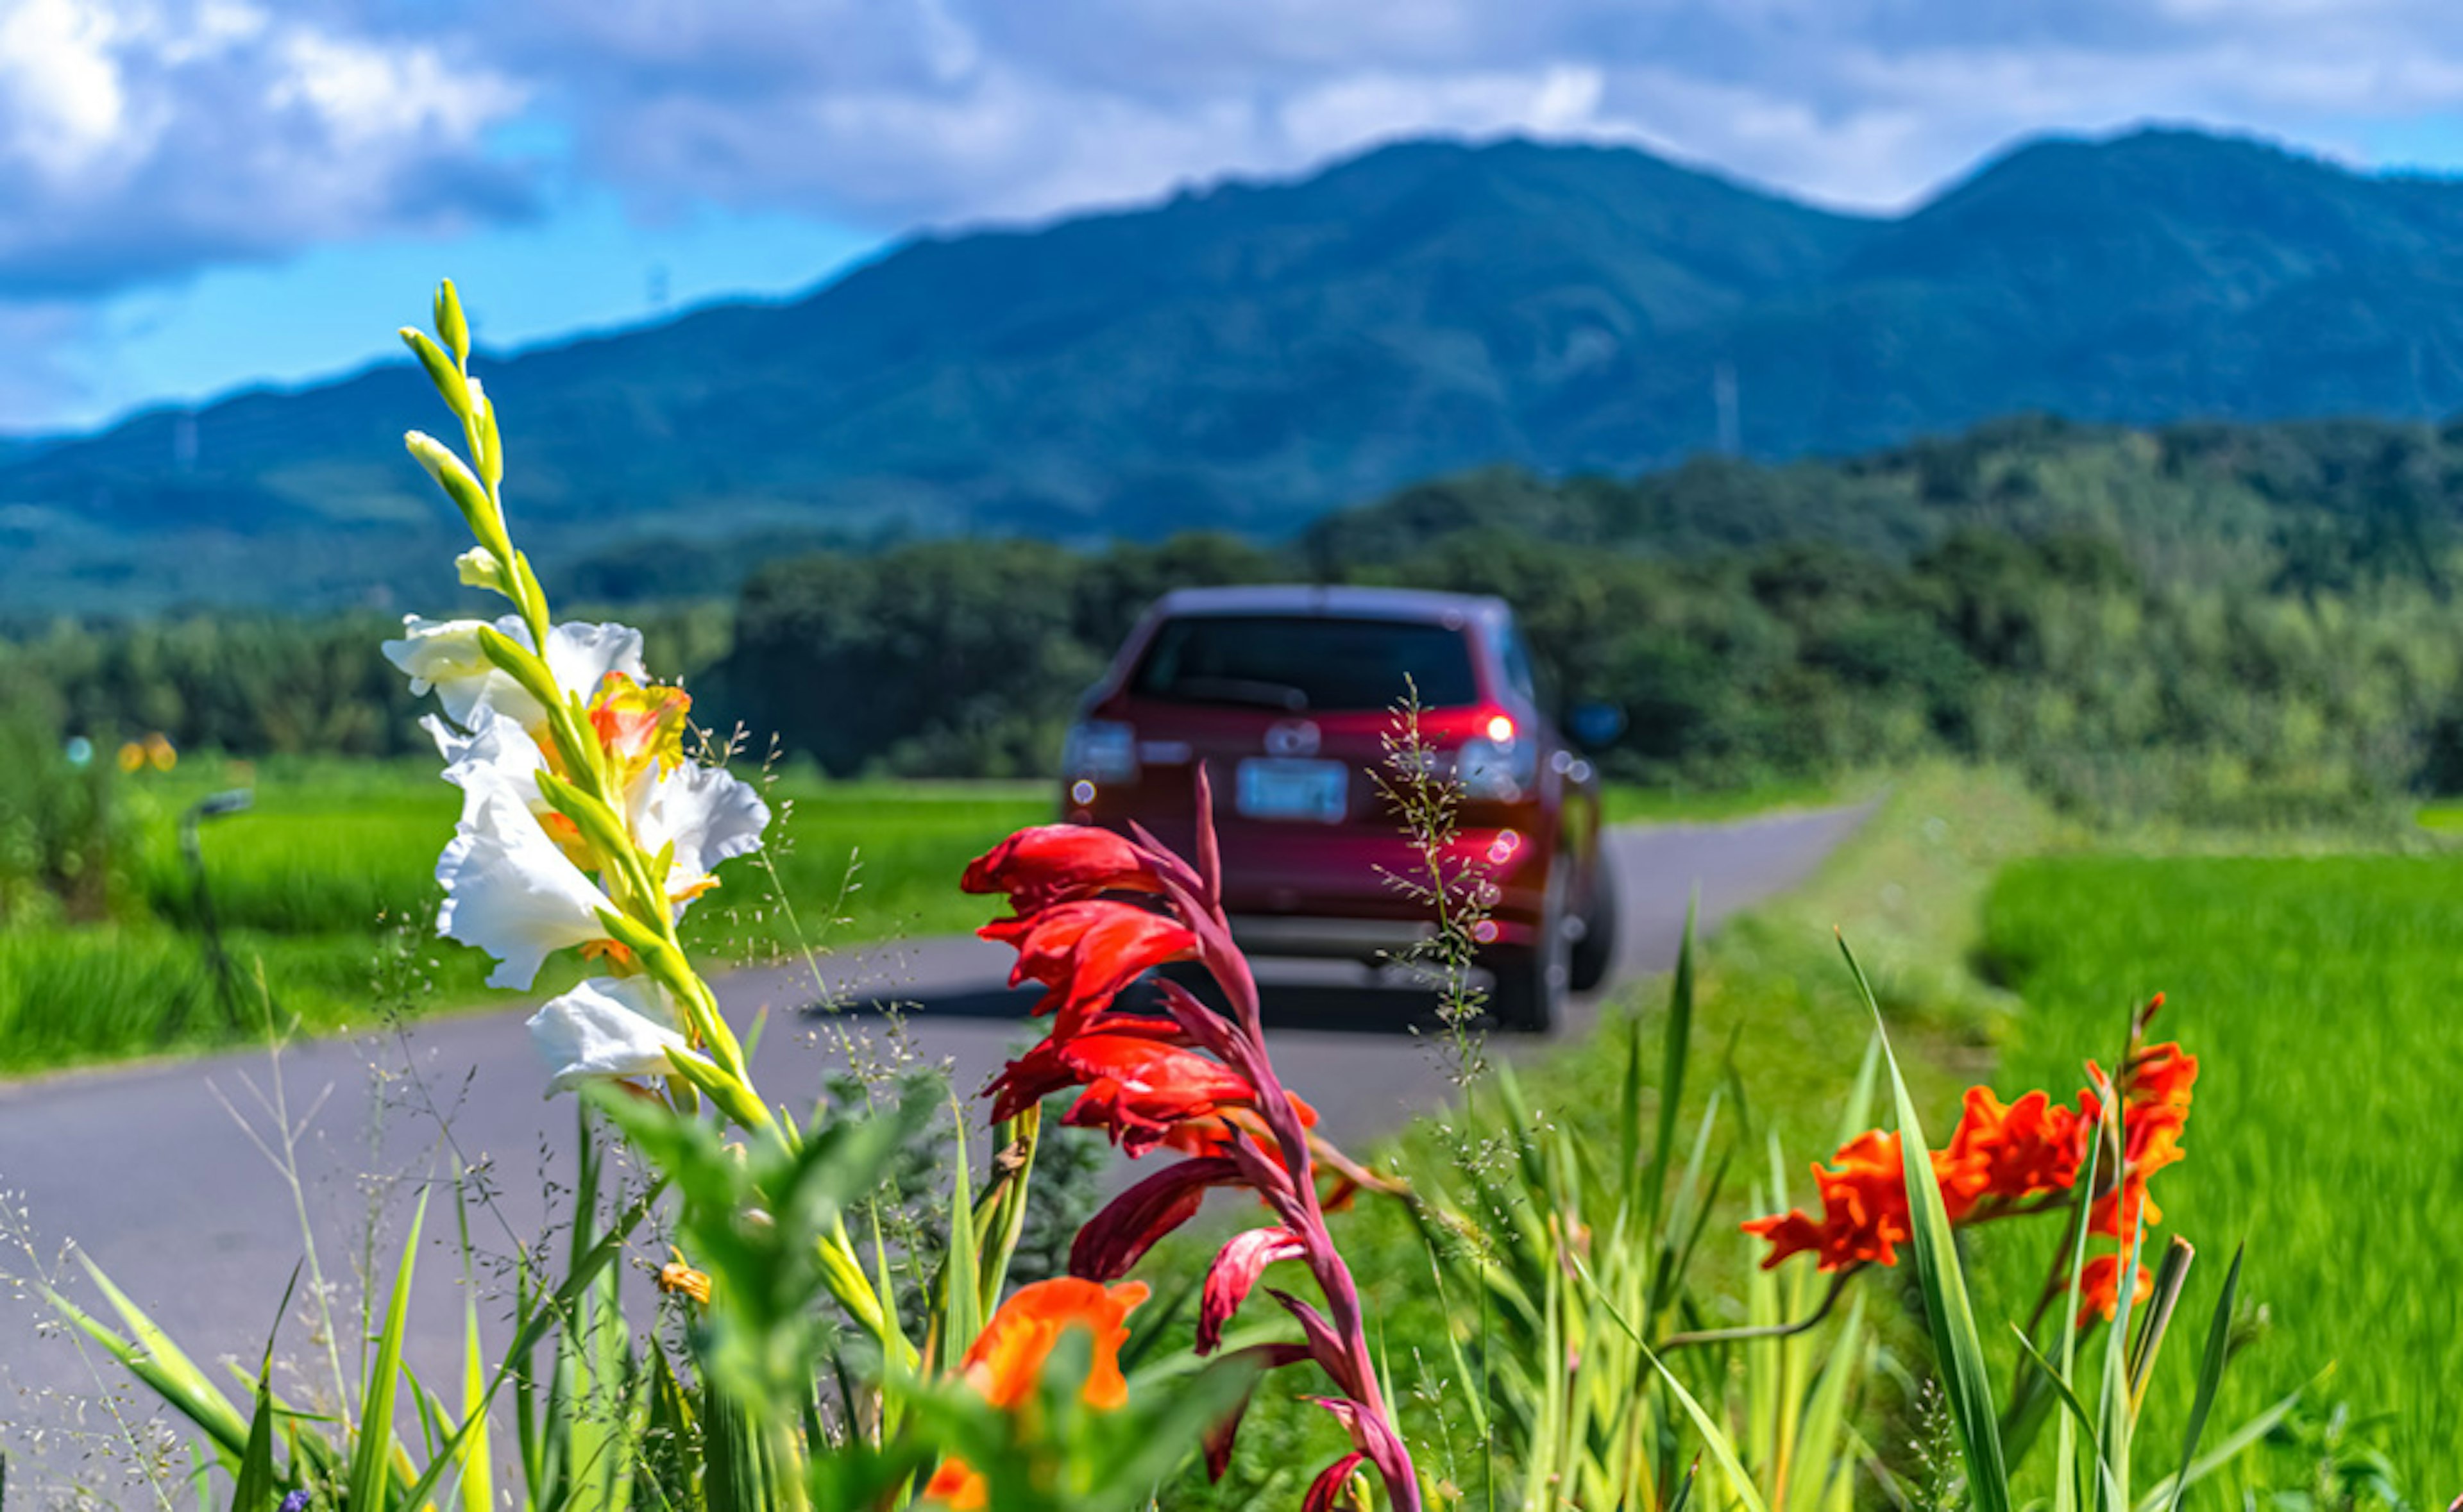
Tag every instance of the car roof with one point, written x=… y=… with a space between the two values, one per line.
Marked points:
x=1333 y=601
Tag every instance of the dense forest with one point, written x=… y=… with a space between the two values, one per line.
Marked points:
x=2229 y=621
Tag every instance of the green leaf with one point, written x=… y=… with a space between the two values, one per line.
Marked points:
x=473 y=1449
x=1722 y=1450
x=1676 y=1050
x=371 y=1458
x=2211 y=1373
x=2069 y=1398
x=255 y=1488
x=149 y=1354
x=538 y=1455
x=2234 y=1444
x=962 y=1315
x=1948 y=1312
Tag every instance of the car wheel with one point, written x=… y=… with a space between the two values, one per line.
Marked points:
x=1596 y=951
x=1529 y=993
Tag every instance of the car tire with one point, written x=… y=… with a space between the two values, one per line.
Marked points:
x=1528 y=995
x=1595 y=953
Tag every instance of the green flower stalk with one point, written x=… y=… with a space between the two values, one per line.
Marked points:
x=585 y=825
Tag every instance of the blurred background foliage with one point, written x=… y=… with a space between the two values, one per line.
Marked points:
x=2236 y=623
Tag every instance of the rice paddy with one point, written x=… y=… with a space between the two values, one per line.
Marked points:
x=2320 y=995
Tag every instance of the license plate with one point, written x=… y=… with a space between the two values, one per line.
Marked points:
x=1277 y=787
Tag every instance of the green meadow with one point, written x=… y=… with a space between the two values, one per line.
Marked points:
x=2320 y=995
x=324 y=883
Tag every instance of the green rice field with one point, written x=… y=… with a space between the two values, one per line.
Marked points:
x=2321 y=996
x=325 y=882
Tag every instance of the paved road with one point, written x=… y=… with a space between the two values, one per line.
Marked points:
x=150 y=1172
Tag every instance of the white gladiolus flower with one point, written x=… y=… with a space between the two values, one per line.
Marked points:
x=508 y=888
x=606 y=1026
x=707 y=815
x=496 y=752
x=445 y=654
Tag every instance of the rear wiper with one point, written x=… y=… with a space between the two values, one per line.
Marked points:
x=1243 y=690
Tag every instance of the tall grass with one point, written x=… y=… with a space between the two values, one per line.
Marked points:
x=2320 y=995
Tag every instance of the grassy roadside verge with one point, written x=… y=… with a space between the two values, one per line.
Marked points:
x=326 y=883
x=1777 y=1028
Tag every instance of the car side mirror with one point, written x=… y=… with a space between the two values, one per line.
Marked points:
x=1593 y=725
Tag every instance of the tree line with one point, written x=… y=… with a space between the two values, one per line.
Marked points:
x=2239 y=621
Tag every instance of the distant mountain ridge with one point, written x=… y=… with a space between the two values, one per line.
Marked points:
x=1253 y=355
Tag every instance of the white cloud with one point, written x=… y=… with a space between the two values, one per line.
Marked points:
x=62 y=85
x=140 y=139
x=955 y=111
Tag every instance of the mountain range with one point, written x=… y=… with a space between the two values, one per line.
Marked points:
x=1250 y=355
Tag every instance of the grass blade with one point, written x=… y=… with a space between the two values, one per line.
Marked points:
x=1677 y=1049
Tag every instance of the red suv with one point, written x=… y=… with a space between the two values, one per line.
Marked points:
x=1284 y=693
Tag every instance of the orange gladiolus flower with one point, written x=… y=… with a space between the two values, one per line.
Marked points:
x=1863 y=1209
x=2002 y=1153
x=1005 y=1363
x=2100 y=1288
x=2011 y=1151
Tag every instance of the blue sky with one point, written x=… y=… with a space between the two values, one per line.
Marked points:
x=204 y=193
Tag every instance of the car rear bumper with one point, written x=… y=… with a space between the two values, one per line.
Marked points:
x=1330 y=895
x=1332 y=939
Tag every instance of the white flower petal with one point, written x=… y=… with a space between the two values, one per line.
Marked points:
x=496 y=753
x=605 y=1027
x=709 y=816
x=509 y=892
x=581 y=654
x=445 y=655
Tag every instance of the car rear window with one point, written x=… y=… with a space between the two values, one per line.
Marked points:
x=1305 y=663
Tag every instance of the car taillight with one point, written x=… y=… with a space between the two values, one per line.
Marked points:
x=1100 y=750
x=1498 y=767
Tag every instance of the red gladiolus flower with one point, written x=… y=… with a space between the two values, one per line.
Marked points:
x=2163 y=1074
x=1211 y=1133
x=1141 y=1091
x=1005 y=1363
x=1198 y=1081
x=1057 y=863
x=1235 y=1274
x=1133 y=1223
x=1329 y=1483
x=1048 y=1069
x=1086 y=951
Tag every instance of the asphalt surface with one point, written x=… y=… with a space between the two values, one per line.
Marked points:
x=150 y=1170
